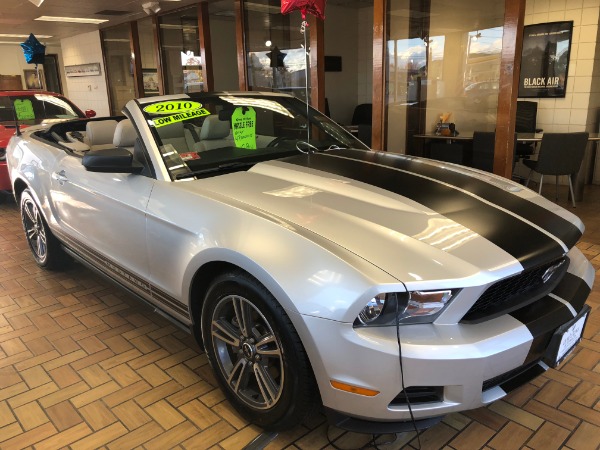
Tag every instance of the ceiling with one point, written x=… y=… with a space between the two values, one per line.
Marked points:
x=17 y=16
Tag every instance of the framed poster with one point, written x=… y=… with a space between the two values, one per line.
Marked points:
x=32 y=81
x=83 y=70
x=150 y=80
x=545 y=59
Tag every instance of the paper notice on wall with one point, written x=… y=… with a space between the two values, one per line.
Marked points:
x=243 y=124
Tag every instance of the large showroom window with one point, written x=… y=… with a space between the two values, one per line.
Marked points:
x=444 y=62
x=180 y=47
x=119 y=66
x=275 y=54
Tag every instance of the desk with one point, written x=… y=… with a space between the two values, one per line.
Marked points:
x=578 y=183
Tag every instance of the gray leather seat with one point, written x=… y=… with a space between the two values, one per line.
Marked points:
x=125 y=135
x=214 y=133
x=99 y=134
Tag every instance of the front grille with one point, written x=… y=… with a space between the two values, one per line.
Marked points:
x=515 y=292
x=419 y=394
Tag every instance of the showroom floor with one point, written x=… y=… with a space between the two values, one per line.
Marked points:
x=84 y=365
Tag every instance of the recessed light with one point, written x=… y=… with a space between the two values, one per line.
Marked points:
x=71 y=19
x=40 y=36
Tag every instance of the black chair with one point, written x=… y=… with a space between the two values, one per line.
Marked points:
x=363 y=114
x=483 y=150
x=526 y=122
x=560 y=154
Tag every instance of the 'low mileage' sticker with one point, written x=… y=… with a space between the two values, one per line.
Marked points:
x=168 y=120
x=172 y=107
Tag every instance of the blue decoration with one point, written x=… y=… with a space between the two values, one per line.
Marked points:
x=34 y=51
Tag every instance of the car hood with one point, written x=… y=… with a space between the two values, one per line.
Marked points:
x=414 y=218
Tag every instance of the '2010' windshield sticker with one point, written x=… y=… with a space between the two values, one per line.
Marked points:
x=169 y=120
x=172 y=107
x=24 y=109
x=243 y=123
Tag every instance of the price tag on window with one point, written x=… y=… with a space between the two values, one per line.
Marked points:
x=24 y=110
x=243 y=124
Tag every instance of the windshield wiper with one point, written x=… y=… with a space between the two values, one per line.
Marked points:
x=220 y=168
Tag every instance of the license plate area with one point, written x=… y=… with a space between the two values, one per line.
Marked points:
x=566 y=337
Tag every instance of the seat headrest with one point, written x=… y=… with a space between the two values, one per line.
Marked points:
x=124 y=134
x=213 y=128
x=171 y=131
x=100 y=132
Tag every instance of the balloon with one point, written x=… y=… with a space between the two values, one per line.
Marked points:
x=34 y=51
x=314 y=7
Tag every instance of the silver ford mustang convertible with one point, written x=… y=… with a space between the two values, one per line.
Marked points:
x=389 y=289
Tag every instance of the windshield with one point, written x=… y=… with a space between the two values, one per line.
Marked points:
x=35 y=109
x=207 y=132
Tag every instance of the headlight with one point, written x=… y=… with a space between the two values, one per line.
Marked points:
x=404 y=308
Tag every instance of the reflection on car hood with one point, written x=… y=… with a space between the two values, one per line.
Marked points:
x=413 y=218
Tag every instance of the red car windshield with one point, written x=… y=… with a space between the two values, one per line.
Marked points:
x=35 y=109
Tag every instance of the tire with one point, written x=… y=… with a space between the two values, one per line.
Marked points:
x=256 y=353
x=44 y=246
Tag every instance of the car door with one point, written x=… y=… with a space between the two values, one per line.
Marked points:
x=102 y=217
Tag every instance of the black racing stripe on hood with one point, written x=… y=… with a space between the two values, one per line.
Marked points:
x=574 y=290
x=530 y=246
x=563 y=229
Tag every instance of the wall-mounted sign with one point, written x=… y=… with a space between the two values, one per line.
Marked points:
x=545 y=59
x=83 y=70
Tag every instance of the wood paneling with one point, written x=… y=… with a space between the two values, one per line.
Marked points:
x=510 y=68
x=134 y=42
x=317 y=63
x=379 y=42
x=241 y=47
x=205 y=47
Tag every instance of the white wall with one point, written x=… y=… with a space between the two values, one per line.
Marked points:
x=89 y=92
x=578 y=111
x=341 y=39
x=12 y=61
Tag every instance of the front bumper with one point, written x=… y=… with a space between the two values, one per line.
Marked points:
x=463 y=366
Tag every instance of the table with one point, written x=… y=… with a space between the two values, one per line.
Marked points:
x=521 y=137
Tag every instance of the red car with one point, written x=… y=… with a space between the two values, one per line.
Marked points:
x=30 y=108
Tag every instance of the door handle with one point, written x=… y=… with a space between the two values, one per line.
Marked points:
x=61 y=177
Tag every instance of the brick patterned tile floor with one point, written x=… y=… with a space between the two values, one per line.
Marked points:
x=83 y=365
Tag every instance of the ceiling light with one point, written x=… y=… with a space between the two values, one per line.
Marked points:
x=71 y=19
x=37 y=2
x=40 y=36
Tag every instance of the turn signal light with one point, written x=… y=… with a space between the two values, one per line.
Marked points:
x=353 y=389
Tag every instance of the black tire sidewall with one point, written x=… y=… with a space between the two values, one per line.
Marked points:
x=297 y=392
x=55 y=257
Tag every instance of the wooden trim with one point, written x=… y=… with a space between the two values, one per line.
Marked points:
x=510 y=69
x=106 y=77
x=158 y=55
x=379 y=43
x=134 y=42
x=317 y=62
x=241 y=44
x=205 y=47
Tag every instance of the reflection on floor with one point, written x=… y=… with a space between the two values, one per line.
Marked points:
x=84 y=365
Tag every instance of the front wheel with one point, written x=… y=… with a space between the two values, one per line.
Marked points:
x=43 y=244
x=256 y=353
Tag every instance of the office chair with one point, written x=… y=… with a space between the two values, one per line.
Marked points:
x=363 y=114
x=560 y=154
x=526 y=119
x=483 y=150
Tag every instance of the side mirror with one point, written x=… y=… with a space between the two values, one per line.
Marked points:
x=114 y=160
x=89 y=113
